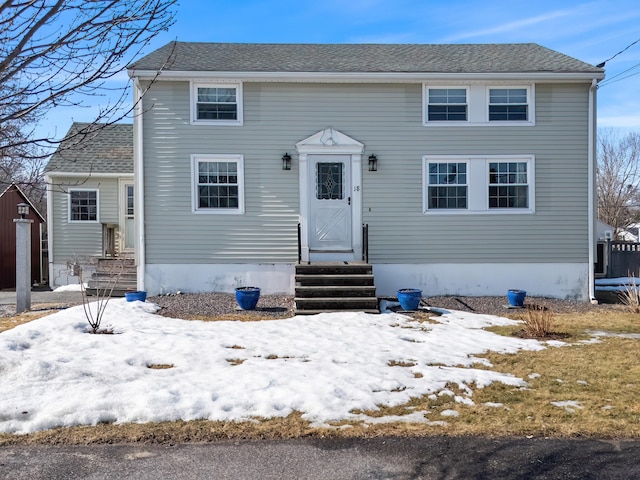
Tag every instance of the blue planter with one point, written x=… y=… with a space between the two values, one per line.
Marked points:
x=133 y=296
x=409 y=298
x=516 y=297
x=247 y=297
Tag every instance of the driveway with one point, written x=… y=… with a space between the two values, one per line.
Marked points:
x=40 y=300
x=327 y=459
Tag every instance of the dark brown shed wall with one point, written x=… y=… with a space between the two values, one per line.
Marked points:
x=8 y=211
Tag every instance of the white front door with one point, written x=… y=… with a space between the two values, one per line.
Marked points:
x=127 y=219
x=330 y=203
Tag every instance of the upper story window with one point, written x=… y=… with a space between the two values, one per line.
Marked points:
x=216 y=104
x=83 y=205
x=447 y=105
x=508 y=105
x=218 y=185
x=478 y=103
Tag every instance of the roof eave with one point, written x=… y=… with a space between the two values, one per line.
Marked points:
x=93 y=174
x=364 y=76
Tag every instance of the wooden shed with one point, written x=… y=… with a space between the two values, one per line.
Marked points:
x=9 y=199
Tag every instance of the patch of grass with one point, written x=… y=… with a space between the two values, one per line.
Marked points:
x=400 y=363
x=236 y=361
x=603 y=377
x=160 y=366
x=7 y=323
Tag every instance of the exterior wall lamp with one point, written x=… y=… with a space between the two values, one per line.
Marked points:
x=286 y=162
x=373 y=163
x=23 y=210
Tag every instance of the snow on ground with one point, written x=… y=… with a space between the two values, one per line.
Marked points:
x=72 y=287
x=53 y=373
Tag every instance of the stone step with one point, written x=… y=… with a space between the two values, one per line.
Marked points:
x=336 y=303
x=334 y=268
x=336 y=280
x=336 y=291
x=342 y=310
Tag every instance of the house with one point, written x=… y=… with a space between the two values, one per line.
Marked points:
x=470 y=167
x=90 y=192
x=9 y=200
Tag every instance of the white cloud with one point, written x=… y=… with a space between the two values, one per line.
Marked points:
x=511 y=26
x=620 y=121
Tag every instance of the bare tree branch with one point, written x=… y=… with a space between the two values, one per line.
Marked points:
x=617 y=180
x=63 y=53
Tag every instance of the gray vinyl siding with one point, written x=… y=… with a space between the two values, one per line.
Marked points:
x=387 y=118
x=81 y=239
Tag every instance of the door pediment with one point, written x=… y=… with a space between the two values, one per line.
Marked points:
x=330 y=140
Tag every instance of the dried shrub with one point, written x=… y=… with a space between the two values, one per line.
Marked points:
x=538 y=322
x=630 y=297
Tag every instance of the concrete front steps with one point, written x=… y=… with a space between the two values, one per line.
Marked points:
x=335 y=287
x=122 y=271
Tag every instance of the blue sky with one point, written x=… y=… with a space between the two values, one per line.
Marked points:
x=590 y=31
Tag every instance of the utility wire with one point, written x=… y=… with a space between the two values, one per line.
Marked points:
x=600 y=65
x=612 y=79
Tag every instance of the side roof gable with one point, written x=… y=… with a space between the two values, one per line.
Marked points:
x=94 y=148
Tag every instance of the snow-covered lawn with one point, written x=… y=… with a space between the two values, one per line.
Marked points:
x=55 y=374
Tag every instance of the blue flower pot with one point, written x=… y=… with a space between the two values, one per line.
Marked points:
x=247 y=297
x=516 y=297
x=409 y=298
x=133 y=296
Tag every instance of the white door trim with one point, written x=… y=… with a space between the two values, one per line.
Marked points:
x=331 y=142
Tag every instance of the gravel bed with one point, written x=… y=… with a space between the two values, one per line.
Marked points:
x=190 y=305
x=223 y=305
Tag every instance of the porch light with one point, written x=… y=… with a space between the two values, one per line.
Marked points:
x=286 y=162
x=23 y=210
x=373 y=163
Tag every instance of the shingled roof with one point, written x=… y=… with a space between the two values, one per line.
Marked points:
x=360 y=58
x=104 y=149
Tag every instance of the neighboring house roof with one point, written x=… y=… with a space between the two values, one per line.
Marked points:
x=16 y=188
x=363 y=58
x=104 y=149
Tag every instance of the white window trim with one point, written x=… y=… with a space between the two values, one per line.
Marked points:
x=194 y=103
x=478 y=184
x=195 y=158
x=97 y=220
x=478 y=104
x=426 y=184
x=425 y=104
x=531 y=101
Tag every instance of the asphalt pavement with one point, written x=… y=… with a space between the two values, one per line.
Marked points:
x=427 y=458
x=46 y=297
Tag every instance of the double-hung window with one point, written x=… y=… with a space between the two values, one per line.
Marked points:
x=218 y=185
x=83 y=205
x=447 y=185
x=508 y=105
x=478 y=184
x=446 y=104
x=508 y=185
x=218 y=104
